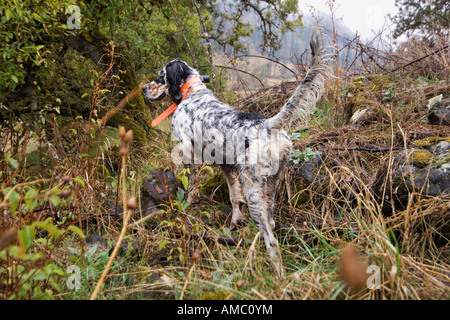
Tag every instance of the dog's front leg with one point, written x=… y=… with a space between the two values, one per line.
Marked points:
x=236 y=196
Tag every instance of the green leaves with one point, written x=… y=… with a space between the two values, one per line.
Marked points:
x=209 y=169
x=426 y=16
x=55 y=200
x=77 y=231
x=11 y=161
x=26 y=237
x=298 y=156
x=185 y=182
x=48 y=226
x=79 y=180
x=162 y=244
x=31 y=199
x=21 y=34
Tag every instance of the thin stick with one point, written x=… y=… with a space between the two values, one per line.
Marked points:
x=208 y=43
x=149 y=216
x=186 y=282
x=250 y=252
x=121 y=104
x=4 y=204
x=420 y=59
x=184 y=37
x=122 y=233
x=271 y=60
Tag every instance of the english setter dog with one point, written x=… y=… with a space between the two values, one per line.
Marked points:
x=252 y=151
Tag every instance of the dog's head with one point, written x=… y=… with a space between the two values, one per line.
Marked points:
x=169 y=82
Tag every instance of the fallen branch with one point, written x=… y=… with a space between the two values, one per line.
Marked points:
x=420 y=59
x=219 y=239
x=366 y=149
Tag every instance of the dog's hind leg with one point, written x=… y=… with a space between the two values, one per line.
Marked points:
x=257 y=195
x=236 y=196
x=272 y=186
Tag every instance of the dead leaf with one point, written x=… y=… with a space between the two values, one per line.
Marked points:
x=7 y=238
x=353 y=269
x=205 y=273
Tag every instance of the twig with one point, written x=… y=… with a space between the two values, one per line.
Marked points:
x=184 y=37
x=271 y=60
x=121 y=104
x=50 y=146
x=366 y=149
x=208 y=43
x=234 y=69
x=88 y=125
x=420 y=59
x=3 y=204
x=186 y=282
x=124 y=227
x=149 y=216
x=250 y=252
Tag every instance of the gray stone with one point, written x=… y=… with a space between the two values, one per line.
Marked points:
x=424 y=169
x=156 y=189
x=439 y=113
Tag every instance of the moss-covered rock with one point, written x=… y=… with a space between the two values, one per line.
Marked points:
x=359 y=97
x=424 y=170
x=216 y=187
x=219 y=295
x=430 y=141
x=420 y=158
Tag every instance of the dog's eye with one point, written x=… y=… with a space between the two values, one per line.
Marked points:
x=160 y=80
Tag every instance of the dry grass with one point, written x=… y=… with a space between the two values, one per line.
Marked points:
x=181 y=252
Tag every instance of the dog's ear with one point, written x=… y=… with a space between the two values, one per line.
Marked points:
x=176 y=74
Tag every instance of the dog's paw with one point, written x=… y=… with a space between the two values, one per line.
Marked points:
x=238 y=223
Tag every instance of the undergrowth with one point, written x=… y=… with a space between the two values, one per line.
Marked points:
x=58 y=191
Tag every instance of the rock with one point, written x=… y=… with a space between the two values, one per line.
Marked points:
x=360 y=105
x=216 y=187
x=96 y=239
x=126 y=248
x=439 y=113
x=420 y=158
x=110 y=208
x=425 y=166
x=309 y=174
x=156 y=189
x=310 y=168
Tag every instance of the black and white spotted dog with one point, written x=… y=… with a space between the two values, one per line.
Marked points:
x=252 y=151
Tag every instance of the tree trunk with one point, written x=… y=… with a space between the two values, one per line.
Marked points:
x=136 y=114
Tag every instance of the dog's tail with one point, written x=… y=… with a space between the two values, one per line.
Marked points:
x=298 y=108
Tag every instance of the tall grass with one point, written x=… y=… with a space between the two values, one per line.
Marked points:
x=184 y=251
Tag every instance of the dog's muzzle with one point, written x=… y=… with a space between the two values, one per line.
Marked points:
x=155 y=91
